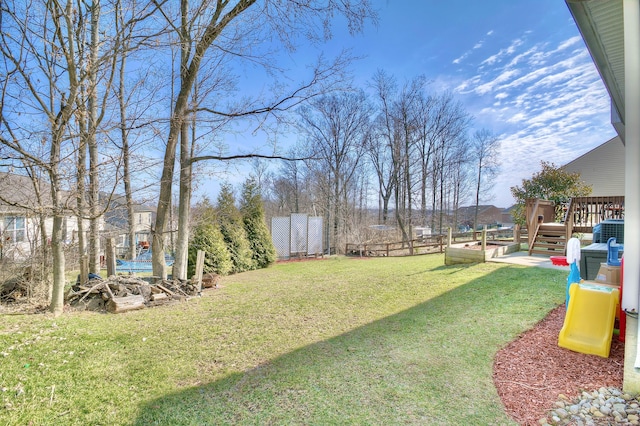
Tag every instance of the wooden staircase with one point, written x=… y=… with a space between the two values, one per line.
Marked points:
x=550 y=240
x=549 y=237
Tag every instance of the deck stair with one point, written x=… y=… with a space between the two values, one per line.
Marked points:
x=550 y=240
x=548 y=236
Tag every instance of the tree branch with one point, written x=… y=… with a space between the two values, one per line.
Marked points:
x=245 y=156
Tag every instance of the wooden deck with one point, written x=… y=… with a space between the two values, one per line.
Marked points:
x=550 y=226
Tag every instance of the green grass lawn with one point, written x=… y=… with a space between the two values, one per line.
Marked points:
x=335 y=341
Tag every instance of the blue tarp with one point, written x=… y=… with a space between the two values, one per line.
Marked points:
x=142 y=263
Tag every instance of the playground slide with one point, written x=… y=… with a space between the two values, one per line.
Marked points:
x=588 y=323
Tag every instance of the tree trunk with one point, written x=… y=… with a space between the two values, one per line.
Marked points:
x=44 y=247
x=166 y=183
x=475 y=215
x=57 y=250
x=184 y=206
x=94 y=181
x=57 y=298
x=81 y=202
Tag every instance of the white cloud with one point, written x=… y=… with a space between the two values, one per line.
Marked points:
x=493 y=59
x=544 y=98
x=490 y=86
x=465 y=86
x=476 y=46
x=568 y=43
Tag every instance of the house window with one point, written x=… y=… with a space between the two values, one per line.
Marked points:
x=14 y=230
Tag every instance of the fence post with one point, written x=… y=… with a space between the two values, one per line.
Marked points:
x=387 y=249
x=484 y=237
x=84 y=269
x=449 y=235
x=199 y=270
x=111 y=257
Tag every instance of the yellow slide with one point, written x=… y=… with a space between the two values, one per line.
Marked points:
x=588 y=323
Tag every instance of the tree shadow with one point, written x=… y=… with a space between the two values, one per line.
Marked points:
x=429 y=364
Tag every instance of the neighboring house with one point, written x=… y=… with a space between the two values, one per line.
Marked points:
x=602 y=168
x=487 y=215
x=117 y=220
x=507 y=216
x=24 y=209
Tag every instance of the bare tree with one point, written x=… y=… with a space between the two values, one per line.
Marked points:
x=407 y=119
x=381 y=142
x=400 y=147
x=336 y=130
x=61 y=57
x=484 y=151
x=202 y=27
x=451 y=122
x=40 y=59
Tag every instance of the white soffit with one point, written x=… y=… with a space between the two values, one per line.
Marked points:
x=601 y=24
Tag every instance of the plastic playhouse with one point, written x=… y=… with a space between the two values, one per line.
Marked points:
x=593 y=306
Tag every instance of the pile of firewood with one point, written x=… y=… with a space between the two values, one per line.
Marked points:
x=118 y=294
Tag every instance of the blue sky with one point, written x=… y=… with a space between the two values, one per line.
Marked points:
x=519 y=67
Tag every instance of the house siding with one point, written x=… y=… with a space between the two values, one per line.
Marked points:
x=602 y=168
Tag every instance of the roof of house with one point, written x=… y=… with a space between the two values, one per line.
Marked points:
x=599 y=25
x=594 y=152
x=116 y=214
x=20 y=192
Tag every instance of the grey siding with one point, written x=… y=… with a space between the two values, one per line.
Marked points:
x=602 y=168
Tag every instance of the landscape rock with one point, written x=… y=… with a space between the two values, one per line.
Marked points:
x=606 y=406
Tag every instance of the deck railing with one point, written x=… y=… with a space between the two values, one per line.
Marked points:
x=581 y=214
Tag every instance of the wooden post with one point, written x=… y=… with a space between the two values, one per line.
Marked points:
x=84 y=269
x=111 y=257
x=199 y=268
x=516 y=234
x=449 y=235
x=484 y=237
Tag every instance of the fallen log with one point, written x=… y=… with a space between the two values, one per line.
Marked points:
x=123 y=304
x=106 y=286
x=166 y=290
x=159 y=296
x=92 y=289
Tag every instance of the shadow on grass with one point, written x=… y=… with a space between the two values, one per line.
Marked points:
x=430 y=364
x=451 y=269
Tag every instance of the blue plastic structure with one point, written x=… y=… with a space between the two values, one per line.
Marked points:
x=573 y=257
x=612 y=252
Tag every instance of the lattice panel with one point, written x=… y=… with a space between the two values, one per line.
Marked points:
x=299 y=233
x=314 y=235
x=281 y=235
